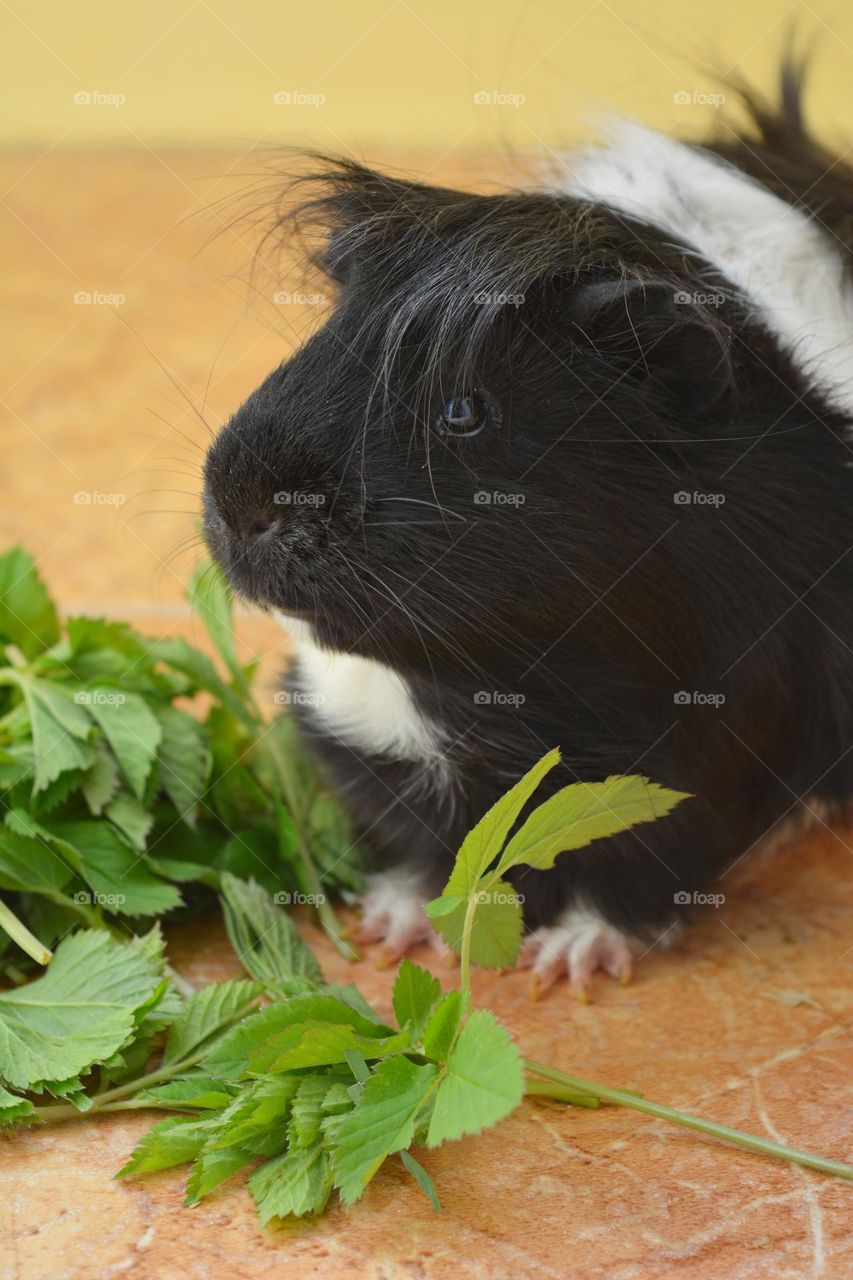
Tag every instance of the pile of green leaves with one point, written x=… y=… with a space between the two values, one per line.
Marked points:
x=297 y=1080
x=131 y=771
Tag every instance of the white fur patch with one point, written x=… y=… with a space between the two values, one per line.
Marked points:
x=363 y=702
x=781 y=260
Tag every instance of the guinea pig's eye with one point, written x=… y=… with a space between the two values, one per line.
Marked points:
x=463 y=416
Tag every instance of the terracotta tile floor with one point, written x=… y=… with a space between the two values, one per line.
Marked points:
x=96 y=406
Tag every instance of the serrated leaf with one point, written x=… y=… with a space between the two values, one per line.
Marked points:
x=306 y=1110
x=27 y=614
x=210 y=595
x=257 y=1119
x=185 y=760
x=100 y=782
x=583 y=812
x=324 y=1044
x=122 y=882
x=195 y=664
x=483 y=1081
x=131 y=817
x=415 y=992
x=292 y=1184
x=213 y=1167
x=208 y=1012
x=27 y=867
x=264 y=937
x=380 y=1123
x=484 y=842
x=81 y=1011
x=60 y=729
x=497 y=929
x=168 y=1143
x=198 y=1094
x=440 y=1031
x=131 y=729
x=13 y=1109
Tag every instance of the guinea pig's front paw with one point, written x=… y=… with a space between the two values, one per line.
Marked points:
x=580 y=942
x=393 y=914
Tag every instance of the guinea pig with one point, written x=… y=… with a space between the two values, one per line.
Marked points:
x=567 y=466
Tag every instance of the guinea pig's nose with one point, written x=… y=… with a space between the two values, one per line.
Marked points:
x=261 y=528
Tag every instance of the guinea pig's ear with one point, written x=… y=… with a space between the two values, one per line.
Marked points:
x=655 y=332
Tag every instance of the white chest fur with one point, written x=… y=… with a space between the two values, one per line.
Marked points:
x=788 y=266
x=363 y=702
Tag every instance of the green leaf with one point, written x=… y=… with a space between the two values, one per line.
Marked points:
x=229 y=1056
x=295 y=1183
x=80 y=1012
x=131 y=729
x=120 y=879
x=263 y=936
x=27 y=613
x=168 y=1143
x=484 y=842
x=13 y=1109
x=100 y=782
x=323 y=1044
x=422 y=1178
x=208 y=1012
x=257 y=1119
x=380 y=1123
x=415 y=992
x=131 y=817
x=440 y=1032
x=306 y=1110
x=583 y=812
x=483 y=1081
x=60 y=729
x=185 y=760
x=27 y=866
x=212 y=1167
x=209 y=593
x=183 y=657
x=497 y=929
x=198 y=1094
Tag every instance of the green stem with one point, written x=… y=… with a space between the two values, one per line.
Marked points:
x=104 y=1101
x=465 y=947
x=762 y=1146
x=20 y=934
x=559 y=1092
x=324 y=911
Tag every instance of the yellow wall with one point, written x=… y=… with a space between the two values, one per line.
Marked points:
x=388 y=72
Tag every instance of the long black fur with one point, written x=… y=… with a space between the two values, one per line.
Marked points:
x=598 y=598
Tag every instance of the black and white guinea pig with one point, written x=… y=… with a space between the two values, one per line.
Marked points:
x=568 y=467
